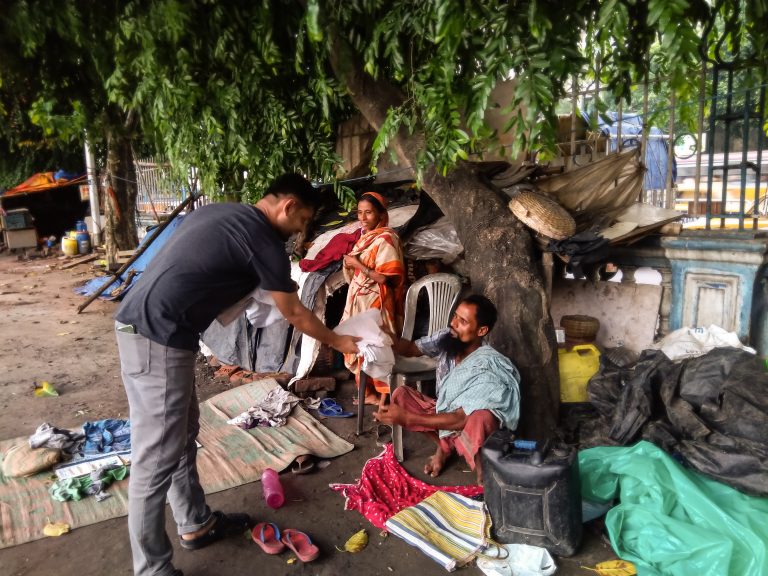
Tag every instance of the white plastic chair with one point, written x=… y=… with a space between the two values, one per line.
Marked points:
x=442 y=294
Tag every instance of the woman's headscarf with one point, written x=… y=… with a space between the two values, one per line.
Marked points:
x=381 y=201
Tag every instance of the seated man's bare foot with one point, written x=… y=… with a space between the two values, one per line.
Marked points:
x=435 y=464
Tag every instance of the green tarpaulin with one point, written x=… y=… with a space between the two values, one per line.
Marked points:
x=671 y=520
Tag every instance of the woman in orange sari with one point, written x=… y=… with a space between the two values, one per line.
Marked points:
x=376 y=275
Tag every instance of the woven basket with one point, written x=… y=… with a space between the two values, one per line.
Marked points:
x=580 y=327
x=542 y=214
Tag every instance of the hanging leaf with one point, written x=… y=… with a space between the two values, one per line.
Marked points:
x=313 y=24
x=614 y=568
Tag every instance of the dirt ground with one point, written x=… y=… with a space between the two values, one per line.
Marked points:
x=44 y=339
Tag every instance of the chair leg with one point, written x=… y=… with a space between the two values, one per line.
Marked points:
x=397 y=430
x=397 y=442
x=362 y=383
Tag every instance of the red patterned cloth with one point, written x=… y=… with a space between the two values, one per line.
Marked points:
x=339 y=245
x=385 y=488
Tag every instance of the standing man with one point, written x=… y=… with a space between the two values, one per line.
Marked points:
x=477 y=388
x=217 y=256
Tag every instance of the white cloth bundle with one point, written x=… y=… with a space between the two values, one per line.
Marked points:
x=375 y=346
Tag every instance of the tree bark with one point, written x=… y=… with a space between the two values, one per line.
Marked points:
x=503 y=264
x=120 y=198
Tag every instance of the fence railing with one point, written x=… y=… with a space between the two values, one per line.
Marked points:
x=159 y=192
x=716 y=172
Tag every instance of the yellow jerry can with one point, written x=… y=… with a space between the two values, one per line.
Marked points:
x=577 y=366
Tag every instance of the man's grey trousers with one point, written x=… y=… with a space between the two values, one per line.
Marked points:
x=160 y=385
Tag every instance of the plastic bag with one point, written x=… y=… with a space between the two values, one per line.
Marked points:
x=521 y=560
x=693 y=342
x=711 y=410
x=671 y=520
x=436 y=241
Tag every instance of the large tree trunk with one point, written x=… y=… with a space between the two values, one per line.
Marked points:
x=498 y=250
x=504 y=266
x=120 y=199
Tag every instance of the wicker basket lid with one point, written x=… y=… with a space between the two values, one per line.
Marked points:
x=542 y=214
x=580 y=326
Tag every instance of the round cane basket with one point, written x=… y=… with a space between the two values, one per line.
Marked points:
x=580 y=327
x=543 y=215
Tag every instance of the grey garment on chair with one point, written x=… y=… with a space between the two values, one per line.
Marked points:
x=309 y=291
x=239 y=344
x=270 y=347
x=231 y=344
x=160 y=384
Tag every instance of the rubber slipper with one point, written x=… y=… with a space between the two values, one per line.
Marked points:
x=303 y=464
x=331 y=409
x=225 y=525
x=301 y=545
x=267 y=536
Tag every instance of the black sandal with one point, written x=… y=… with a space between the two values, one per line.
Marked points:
x=383 y=434
x=303 y=464
x=225 y=525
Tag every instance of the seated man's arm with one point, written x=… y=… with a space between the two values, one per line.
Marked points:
x=393 y=414
x=306 y=322
x=425 y=346
x=407 y=348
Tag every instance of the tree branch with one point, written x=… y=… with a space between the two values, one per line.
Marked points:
x=372 y=97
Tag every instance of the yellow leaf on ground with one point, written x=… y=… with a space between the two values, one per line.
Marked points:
x=614 y=568
x=55 y=528
x=356 y=542
x=45 y=389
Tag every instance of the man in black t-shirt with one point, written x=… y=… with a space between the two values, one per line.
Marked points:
x=218 y=255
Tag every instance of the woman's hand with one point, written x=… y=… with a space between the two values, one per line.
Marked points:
x=352 y=262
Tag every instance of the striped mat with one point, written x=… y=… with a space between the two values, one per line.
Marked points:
x=449 y=528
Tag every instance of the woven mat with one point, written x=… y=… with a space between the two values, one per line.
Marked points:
x=229 y=457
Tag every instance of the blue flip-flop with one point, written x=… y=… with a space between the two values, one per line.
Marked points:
x=331 y=409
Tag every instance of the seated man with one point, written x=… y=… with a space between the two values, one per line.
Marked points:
x=477 y=388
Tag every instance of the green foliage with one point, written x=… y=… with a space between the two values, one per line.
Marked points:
x=447 y=56
x=230 y=88
x=243 y=90
x=346 y=196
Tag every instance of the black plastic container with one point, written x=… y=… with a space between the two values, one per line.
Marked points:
x=534 y=497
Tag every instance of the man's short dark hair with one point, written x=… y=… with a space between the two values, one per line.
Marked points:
x=297 y=186
x=485 y=310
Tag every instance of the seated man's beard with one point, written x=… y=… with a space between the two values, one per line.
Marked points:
x=451 y=345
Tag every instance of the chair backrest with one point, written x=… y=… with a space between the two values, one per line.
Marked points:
x=442 y=292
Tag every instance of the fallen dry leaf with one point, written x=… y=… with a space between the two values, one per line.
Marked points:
x=614 y=568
